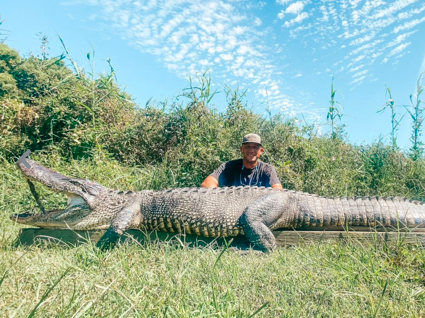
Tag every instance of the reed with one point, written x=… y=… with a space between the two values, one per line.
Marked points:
x=390 y=103
x=416 y=112
x=334 y=112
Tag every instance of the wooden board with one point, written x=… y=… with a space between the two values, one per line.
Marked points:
x=30 y=236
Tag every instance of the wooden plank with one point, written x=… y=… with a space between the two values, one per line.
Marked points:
x=284 y=238
x=29 y=236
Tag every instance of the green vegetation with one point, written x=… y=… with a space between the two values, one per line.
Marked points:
x=390 y=103
x=51 y=110
x=416 y=111
x=334 y=113
x=83 y=125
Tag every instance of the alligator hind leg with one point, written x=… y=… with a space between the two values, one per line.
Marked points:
x=259 y=216
x=120 y=223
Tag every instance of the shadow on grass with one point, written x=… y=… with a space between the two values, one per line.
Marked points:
x=369 y=236
x=71 y=238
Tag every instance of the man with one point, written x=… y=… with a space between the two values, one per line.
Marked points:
x=248 y=171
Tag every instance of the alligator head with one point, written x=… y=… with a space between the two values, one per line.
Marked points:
x=81 y=197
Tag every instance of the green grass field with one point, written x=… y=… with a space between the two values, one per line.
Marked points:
x=168 y=279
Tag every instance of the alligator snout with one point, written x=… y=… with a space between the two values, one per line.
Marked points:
x=21 y=217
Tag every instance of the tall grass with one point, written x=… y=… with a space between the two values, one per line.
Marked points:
x=416 y=111
x=390 y=103
x=334 y=112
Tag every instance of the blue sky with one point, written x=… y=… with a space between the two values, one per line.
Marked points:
x=283 y=52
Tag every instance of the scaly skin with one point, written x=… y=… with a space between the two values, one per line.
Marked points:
x=218 y=212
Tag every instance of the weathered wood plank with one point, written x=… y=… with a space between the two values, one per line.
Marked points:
x=284 y=238
x=30 y=236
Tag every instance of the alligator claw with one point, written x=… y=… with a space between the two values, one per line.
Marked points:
x=108 y=240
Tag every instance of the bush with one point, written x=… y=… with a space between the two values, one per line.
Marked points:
x=46 y=108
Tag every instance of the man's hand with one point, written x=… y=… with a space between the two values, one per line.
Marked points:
x=210 y=182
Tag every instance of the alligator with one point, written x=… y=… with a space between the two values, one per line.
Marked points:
x=213 y=212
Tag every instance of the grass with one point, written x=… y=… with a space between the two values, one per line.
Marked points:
x=160 y=279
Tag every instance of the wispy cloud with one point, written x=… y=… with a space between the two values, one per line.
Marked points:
x=366 y=30
x=238 y=44
x=295 y=8
x=408 y=25
x=191 y=36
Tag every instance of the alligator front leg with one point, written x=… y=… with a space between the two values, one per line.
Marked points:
x=259 y=216
x=120 y=224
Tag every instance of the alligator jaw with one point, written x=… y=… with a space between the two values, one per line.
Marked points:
x=81 y=194
x=85 y=189
x=74 y=212
x=34 y=219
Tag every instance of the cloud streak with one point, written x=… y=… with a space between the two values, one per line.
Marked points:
x=366 y=30
x=190 y=36
x=234 y=40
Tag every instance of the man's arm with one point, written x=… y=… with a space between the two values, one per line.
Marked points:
x=210 y=182
x=274 y=179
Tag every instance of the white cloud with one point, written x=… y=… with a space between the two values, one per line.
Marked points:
x=283 y=2
x=408 y=25
x=367 y=27
x=227 y=57
x=225 y=41
x=295 y=8
x=204 y=62
x=364 y=39
x=357 y=80
x=355 y=68
x=301 y=17
x=360 y=74
x=354 y=3
x=399 y=49
x=410 y=13
x=281 y=14
x=236 y=44
x=359 y=58
x=399 y=39
x=263 y=92
x=366 y=47
x=393 y=8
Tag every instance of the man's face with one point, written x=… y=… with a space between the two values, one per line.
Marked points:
x=251 y=151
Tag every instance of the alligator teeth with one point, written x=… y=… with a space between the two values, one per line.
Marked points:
x=36 y=196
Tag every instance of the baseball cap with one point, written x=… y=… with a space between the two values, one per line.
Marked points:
x=251 y=138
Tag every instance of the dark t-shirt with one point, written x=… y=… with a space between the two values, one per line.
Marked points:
x=233 y=173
